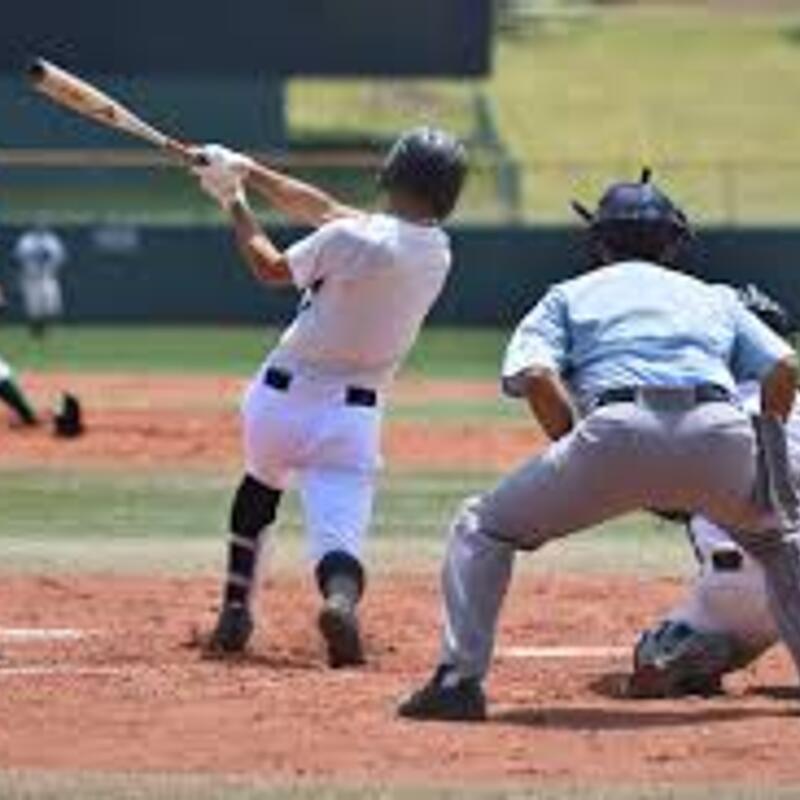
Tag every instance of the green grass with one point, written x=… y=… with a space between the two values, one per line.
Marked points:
x=173 y=522
x=621 y=88
x=707 y=96
x=94 y=786
x=234 y=350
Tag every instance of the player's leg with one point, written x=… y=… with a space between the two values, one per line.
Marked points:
x=13 y=396
x=574 y=483
x=722 y=625
x=253 y=510
x=619 y=458
x=772 y=539
x=337 y=504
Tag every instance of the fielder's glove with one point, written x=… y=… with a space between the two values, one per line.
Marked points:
x=222 y=174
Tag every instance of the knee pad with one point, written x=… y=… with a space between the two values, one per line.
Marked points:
x=254 y=508
x=337 y=563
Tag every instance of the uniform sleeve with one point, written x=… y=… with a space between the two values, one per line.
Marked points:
x=342 y=248
x=306 y=258
x=540 y=340
x=756 y=347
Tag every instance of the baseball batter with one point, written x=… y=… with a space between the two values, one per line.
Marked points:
x=725 y=622
x=653 y=357
x=314 y=408
x=41 y=255
x=10 y=391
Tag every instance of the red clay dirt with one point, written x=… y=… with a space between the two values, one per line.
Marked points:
x=135 y=694
x=192 y=421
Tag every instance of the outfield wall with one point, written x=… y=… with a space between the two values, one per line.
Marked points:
x=194 y=275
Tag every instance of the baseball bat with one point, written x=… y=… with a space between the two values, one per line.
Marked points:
x=83 y=98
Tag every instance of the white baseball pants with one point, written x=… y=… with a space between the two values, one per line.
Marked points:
x=308 y=432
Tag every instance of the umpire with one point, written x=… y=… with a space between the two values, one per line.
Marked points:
x=652 y=357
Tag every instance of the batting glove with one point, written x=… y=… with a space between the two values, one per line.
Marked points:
x=225 y=158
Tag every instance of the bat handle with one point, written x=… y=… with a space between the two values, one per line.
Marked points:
x=185 y=153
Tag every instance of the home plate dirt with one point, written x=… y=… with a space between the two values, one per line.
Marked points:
x=136 y=695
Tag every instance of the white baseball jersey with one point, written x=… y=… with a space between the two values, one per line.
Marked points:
x=368 y=284
x=40 y=254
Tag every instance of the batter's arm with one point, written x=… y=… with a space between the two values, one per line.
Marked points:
x=300 y=201
x=779 y=388
x=549 y=401
x=267 y=263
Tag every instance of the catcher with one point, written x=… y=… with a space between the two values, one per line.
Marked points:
x=725 y=623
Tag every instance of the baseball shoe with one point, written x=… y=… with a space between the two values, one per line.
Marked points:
x=338 y=625
x=444 y=700
x=232 y=632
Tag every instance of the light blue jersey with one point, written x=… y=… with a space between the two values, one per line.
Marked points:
x=638 y=324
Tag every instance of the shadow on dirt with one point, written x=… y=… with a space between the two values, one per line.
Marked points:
x=577 y=718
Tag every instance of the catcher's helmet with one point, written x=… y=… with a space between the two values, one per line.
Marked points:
x=429 y=164
x=768 y=310
x=636 y=220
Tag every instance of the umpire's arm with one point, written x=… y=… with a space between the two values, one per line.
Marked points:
x=534 y=360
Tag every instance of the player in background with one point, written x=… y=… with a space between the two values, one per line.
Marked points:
x=725 y=622
x=10 y=392
x=314 y=408
x=40 y=254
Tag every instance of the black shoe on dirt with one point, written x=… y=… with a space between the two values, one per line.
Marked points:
x=459 y=700
x=233 y=631
x=338 y=625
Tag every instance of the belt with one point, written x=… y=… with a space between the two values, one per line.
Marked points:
x=704 y=393
x=726 y=560
x=281 y=380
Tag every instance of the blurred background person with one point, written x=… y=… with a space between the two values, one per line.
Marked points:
x=40 y=254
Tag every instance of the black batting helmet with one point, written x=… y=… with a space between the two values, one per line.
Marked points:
x=636 y=220
x=768 y=310
x=429 y=164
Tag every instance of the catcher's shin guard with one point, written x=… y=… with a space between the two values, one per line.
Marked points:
x=340 y=577
x=254 y=508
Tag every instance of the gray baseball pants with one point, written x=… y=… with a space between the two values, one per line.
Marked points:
x=620 y=458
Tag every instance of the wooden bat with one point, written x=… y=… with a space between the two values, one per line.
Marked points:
x=81 y=97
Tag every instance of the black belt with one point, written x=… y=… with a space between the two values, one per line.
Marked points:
x=727 y=560
x=704 y=393
x=281 y=380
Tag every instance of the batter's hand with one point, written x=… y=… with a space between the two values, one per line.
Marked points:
x=222 y=184
x=222 y=157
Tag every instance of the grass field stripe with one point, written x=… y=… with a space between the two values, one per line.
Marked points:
x=41 y=634
x=564 y=651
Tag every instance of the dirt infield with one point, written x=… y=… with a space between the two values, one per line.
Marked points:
x=191 y=421
x=103 y=672
x=133 y=693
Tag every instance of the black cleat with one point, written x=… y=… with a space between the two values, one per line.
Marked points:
x=463 y=701
x=233 y=631
x=338 y=625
